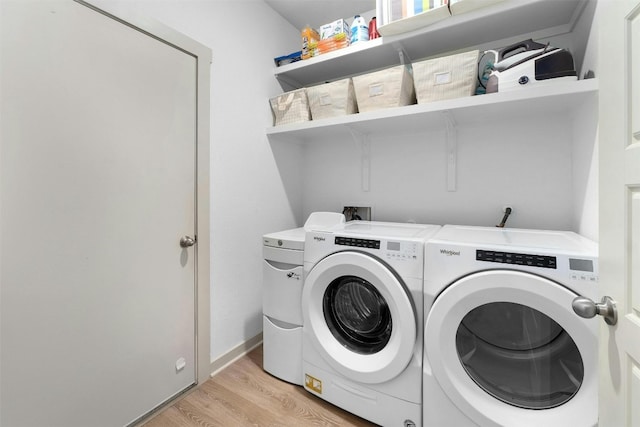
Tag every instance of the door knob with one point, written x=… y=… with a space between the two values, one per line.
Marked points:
x=586 y=308
x=187 y=241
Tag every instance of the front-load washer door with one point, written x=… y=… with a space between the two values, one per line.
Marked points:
x=507 y=349
x=360 y=316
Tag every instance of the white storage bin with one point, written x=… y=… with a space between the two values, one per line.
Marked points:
x=391 y=87
x=332 y=99
x=448 y=77
x=290 y=107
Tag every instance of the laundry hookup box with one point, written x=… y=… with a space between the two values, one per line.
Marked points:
x=387 y=88
x=290 y=107
x=448 y=77
x=332 y=99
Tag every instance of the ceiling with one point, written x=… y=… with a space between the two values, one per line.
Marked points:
x=315 y=13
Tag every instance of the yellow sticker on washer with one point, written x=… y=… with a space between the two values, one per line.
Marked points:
x=312 y=383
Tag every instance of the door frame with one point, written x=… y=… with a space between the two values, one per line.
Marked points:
x=202 y=54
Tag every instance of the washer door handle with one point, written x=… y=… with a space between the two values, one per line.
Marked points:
x=586 y=308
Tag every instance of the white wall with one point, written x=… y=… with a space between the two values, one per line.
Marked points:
x=524 y=163
x=254 y=186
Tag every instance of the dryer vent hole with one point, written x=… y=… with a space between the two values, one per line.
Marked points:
x=357 y=213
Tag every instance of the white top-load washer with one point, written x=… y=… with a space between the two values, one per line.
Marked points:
x=282 y=277
x=362 y=319
x=503 y=346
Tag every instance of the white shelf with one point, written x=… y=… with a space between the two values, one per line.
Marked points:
x=552 y=99
x=499 y=21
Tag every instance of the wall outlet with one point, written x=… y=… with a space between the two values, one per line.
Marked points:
x=357 y=213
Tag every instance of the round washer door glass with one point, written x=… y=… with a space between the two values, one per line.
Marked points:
x=357 y=314
x=519 y=355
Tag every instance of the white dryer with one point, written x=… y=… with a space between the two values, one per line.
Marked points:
x=503 y=346
x=362 y=319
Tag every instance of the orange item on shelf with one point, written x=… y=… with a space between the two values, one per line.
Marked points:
x=333 y=43
x=310 y=38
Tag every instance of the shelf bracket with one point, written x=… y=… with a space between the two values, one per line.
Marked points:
x=362 y=139
x=452 y=149
x=402 y=53
x=287 y=83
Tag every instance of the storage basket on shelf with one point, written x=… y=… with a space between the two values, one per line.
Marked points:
x=290 y=107
x=390 y=87
x=332 y=99
x=448 y=77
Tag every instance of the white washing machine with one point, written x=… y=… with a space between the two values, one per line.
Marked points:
x=503 y=346
x=362 y=319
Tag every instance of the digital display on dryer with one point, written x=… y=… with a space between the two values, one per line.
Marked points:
x=393 y=246
x=581 y=265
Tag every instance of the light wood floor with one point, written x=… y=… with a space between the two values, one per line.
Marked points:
x=245 y=395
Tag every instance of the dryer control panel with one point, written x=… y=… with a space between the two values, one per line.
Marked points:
x=574 y=268
x=543 y=261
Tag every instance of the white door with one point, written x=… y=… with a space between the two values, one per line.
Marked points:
x=619 y=122
x=97 y=168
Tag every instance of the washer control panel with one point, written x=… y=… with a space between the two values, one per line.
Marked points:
x=358 y=243
x=389 y=249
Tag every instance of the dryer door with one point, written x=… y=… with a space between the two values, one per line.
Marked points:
x=360 y=316
x=507 y=349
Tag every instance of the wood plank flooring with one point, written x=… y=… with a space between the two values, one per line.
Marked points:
x=243 y=394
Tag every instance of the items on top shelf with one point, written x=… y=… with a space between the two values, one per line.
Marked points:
x=391 y=87
x=288 y=59
x=528 y=63
x=449 y=77
x=501 y=21
x=332 y=43
x=332 y=99
x=435 y=79
x=400 y=16
x=310 y=38
x=335 y=28
x=359 y=30
x=373 y=29
x=290 y=107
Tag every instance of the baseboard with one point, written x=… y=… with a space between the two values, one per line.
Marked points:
x=234 y=354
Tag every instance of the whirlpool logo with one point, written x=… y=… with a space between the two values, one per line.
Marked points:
x=449 y=252
x=319 y=239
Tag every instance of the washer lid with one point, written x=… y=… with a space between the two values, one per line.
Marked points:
x=287 y=239
x=514 y=238
x=388 y=229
